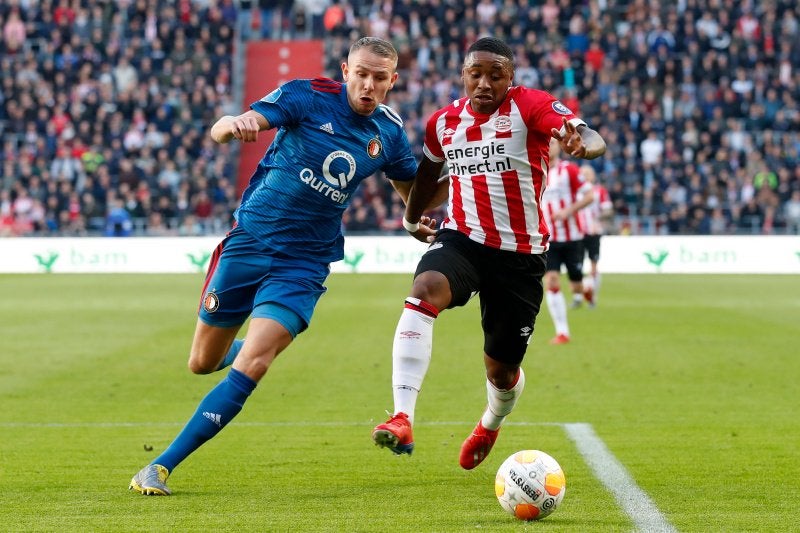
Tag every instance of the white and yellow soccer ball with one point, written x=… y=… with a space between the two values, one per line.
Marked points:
x=530 y=485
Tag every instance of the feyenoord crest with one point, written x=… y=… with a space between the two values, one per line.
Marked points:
x=210 y=302
x=374 y=148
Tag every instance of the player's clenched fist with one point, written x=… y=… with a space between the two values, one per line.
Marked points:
x=244 y=127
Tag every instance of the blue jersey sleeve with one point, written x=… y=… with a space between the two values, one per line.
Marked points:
x=401 y=164
x=286 y=105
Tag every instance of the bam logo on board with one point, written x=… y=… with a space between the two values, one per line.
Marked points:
x=688 y=255
x=199 y=260
x=692 y=256
x=81 y=259
x=46 y=261
x=353 y=260
x=656 y=258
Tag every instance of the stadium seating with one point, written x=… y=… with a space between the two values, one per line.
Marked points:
x=104 y=106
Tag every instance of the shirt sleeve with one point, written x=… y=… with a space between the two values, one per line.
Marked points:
x=287 y=104
x=605 y=199
x=433 y=146
x=547 y=112
x=402 y=166
x=577 y=183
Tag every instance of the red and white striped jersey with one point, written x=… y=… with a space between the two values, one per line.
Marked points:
x=591 y=215
x=497 y=165
x=564 y=185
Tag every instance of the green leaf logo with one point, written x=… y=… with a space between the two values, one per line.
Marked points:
x=354 y=260
x=656 y=259
x=48 y=261
x=199 y=260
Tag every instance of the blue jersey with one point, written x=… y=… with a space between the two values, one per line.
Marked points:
x=321 y=153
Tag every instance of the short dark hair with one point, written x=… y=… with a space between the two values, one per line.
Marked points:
x=493 y=45
x=377 y=46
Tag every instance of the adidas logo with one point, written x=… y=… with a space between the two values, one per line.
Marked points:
x=214 y=417
x=327 y=128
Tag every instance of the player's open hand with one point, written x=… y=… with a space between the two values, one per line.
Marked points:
x=426 y=231
x=571 y=142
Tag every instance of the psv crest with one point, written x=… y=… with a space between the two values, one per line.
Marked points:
x=374 y=147
x=560 y=108
x=502 y=123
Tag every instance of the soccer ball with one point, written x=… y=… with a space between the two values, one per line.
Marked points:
x=530 y=485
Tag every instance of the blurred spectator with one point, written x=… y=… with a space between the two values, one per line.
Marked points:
x=14 y=31
x=792 y=212
x=118 y=221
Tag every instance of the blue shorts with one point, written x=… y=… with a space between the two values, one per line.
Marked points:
x=244 y=278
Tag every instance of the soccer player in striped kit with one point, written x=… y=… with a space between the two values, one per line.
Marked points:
x=494 y=144
x=594 y=217
x=565 y=195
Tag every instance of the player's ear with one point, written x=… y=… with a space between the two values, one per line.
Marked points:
x=344 y=70
x=394 y=80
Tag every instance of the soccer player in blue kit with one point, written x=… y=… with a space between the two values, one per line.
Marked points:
x=272 y=265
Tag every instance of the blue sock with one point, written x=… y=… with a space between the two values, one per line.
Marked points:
x=214 y=412
x=232 y=353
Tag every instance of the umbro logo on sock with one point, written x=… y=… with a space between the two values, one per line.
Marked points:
x=214 y=417
x=327 y=128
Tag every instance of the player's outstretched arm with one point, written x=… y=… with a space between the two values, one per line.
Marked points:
x=244 y=127
x=403 y=188
x=580 y=141
x=423 y=192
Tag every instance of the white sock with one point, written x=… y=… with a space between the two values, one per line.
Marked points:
x=558 y=311
x=411 y=354
x=501 y=402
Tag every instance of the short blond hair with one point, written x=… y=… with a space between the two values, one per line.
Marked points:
x=377 y=46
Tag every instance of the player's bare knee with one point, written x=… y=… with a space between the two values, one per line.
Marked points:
x=501 y=375
x=201 y=363
x=552 y=282
x=432 y=289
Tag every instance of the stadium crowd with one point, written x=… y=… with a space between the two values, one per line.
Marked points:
x=105 y=104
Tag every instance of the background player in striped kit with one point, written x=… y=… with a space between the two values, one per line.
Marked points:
x=494 y=144
x=593 y=219
x=566 y=194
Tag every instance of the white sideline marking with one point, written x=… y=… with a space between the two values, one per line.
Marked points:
x=611 y=473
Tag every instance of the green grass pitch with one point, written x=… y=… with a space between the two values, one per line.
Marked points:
x=692 y=382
